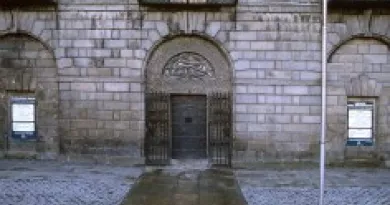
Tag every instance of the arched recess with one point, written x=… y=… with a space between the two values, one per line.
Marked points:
x=187 y=66
x=336 y=47
x=28 y=68
x=358 y=70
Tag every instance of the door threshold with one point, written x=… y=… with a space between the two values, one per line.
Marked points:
x=194 y=164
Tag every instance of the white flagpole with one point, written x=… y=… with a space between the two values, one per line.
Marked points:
x=323 y=108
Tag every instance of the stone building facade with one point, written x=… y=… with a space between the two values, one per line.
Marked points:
x=88 y=66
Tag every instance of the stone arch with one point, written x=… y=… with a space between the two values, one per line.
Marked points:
x=33 y=37
x=358 y=68
x=28 y=67
x=175 y=46
x=334 y=48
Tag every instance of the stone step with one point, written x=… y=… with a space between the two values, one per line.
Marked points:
x=186 y=187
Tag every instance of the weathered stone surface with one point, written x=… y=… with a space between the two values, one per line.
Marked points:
x=95 y=62
x=186 y=187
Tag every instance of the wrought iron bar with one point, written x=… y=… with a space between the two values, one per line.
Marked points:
x=220 y=139
x=157 y=128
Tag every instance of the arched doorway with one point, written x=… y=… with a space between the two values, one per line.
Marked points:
x=188 y=102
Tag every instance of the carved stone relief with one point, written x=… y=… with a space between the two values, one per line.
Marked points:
x=188 y=66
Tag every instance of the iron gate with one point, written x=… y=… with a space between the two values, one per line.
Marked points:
x=158 y=148
x=220 y=129
x=157 y=139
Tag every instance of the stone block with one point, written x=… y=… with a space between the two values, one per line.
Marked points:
x=243 y=36
x=262 y=45
x=306 y=75
x=127 y=53
x=296 y=90
x=260 y=99
x=294 y=65
x=104 y=115
x=278 y=119
x=99 y=96
x=278 y=55
x=99 y=71
x=89 y=87
x=261 y=108
x=135 y=87
x=261 y=89
x=331 y=100
x=309 y=128
x=64 y=62
x=241 y=89
x=242 y=65
x=83 y=124
x=243 y=45
x=363 y=48
x=310 y=100
x=117 y=125
x=378 y=49
x=314 y=66
x=310 y=119
x=241 y=127
x=375 y=58
x=315 y=90
x=99 y=52
x=64 y=86
x=296 y=109
x=278 y=99
x=246 y=98
x=246 y=117
x=246 y=74
x=262 y=64
x=349 y=48
x=116 y=87
x=115 y=62
x=137 y=106
x=82 y=62
x=252 y=127
x=315 y=110
x=83 y=44
x=135 y=64
x=275 y=74
x=115 y=105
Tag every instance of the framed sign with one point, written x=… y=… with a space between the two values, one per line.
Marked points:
x=360 y=121
x=23 y=118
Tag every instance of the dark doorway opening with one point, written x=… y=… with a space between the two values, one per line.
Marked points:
x=189 y=119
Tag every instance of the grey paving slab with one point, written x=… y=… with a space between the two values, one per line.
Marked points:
x=358 y=186
x=52 y=183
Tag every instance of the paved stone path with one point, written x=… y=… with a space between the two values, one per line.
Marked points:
x=53 y=183
x=25 y=182
x=289 y=187
x=191 y=187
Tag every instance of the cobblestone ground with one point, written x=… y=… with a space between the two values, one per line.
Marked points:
x=52 y=183
x=343 y=187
